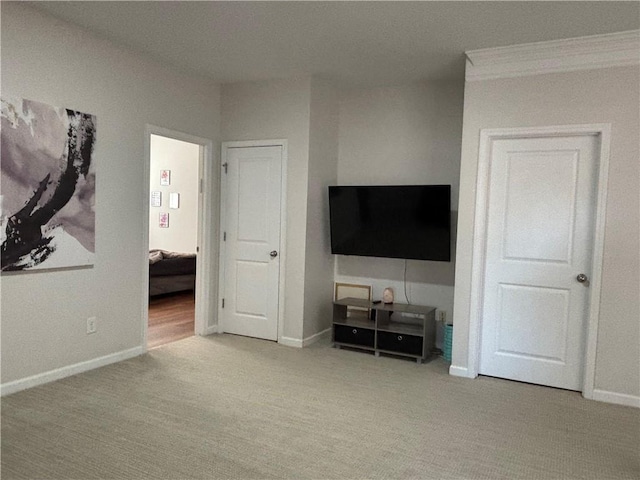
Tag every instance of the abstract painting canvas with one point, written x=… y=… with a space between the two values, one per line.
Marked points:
x=47 y=187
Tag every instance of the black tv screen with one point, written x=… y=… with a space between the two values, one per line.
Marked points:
x=395 y=221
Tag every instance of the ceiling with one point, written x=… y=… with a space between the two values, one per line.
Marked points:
x=356 y=44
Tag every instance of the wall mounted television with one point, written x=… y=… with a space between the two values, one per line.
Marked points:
x=393 y=221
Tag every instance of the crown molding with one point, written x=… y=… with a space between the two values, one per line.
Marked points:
x=582 y=53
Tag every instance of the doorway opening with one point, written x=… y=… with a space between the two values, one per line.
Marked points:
x=176 y=301
x=173 y=238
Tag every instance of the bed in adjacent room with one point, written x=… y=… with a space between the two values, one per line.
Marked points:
x=171 y=272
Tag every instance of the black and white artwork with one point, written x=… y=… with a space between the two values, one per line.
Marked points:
x=47 y=189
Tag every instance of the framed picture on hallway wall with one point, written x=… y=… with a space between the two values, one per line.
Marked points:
x=156 y=199
x=174 y=200
x=165 y=178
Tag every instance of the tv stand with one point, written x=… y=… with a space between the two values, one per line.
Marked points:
x=372 y=328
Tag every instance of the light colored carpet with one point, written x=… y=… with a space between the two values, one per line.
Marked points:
x=233 y=407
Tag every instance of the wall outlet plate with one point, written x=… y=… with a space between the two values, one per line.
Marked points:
x=92 y=325
x=441 y=315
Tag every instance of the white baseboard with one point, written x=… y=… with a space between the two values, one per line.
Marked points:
x=210 y=330
x=305 y=342
x=460 y=372
x=290 y=342
x=63 y=372
x=617 y=398
x=314 y=338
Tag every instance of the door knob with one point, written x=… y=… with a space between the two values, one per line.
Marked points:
x=273 y=254
x=582 y=278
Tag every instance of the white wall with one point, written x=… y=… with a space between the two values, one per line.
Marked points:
x=279 y=109
x=323 y=171
x=407 y=135
x=596 y=96
x=183 y=160
x=44 y=313
x=403 y=135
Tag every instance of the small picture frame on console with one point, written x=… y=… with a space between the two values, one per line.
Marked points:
x=352 y=290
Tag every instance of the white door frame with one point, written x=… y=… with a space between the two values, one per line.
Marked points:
x=487 y=137
x=282 y=253
x=204 y=308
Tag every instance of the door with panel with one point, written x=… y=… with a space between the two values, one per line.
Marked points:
x=539 y=243
x=251 y=236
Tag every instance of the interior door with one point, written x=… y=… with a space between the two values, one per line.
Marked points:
x=538 y=259
x=251 y=238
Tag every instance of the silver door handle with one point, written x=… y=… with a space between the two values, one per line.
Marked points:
x=582 y=278
x=273 y=254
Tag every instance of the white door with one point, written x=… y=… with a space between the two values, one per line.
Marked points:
x=539 y=240
x=250 y=285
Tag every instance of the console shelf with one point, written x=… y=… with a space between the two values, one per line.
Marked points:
x=381 y=328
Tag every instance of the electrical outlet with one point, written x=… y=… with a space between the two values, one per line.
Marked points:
x=441 y=315
x=92 y=326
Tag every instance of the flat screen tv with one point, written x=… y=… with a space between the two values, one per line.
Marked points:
x=394 y=221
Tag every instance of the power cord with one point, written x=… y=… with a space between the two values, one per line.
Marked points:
x=405 y=283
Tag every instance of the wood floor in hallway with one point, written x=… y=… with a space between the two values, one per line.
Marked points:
x=171 y=318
